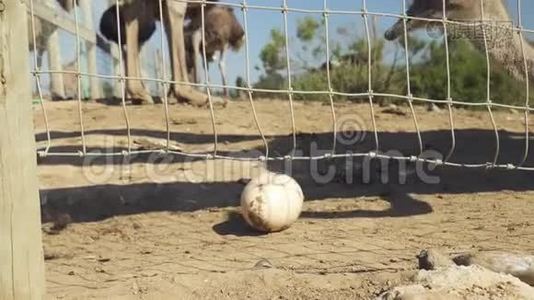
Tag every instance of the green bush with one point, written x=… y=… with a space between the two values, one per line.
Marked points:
x=349 y=70
x=468 y=76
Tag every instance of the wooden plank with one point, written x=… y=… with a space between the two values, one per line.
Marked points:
x=58 y=18
x=21 y=252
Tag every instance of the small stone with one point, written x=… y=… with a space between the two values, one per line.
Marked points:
x=263 y=264
x=149 y=274
x=431 y=259
x=49 y=255
x=433 y=108
x=394 y=110
x=243 y=181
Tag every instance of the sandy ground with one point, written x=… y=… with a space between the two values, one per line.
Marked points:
x=152 y=226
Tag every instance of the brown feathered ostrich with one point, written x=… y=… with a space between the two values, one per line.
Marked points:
x=136 y=16
x=504 y=46
x=222 y=30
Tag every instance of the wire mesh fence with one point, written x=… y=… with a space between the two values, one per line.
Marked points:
x=162 y=80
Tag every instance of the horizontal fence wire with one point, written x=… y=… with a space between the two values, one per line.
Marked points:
x=248 y=88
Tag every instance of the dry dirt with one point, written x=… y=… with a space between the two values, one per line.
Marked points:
x=152 y=226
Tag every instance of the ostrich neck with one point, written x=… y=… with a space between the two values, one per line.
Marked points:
x=503 y=43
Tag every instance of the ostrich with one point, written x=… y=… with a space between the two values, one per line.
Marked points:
x=108 y=27
x=141 y=15
x=504 y=47
x=221 y=30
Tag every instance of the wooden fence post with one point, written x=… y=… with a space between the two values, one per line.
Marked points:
x=21 y=252
x=158 y=71
x=117 y=86
x=57 y=87
x=94 y=82
x=114 y=51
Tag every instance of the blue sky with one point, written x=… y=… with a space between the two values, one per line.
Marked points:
x=260 y=22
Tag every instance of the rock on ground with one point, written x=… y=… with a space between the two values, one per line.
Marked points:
x=461 y=282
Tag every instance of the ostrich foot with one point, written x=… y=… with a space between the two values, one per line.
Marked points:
x=191 y=96
x=140 y=97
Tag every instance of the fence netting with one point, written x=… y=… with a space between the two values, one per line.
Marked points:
x=162 y=82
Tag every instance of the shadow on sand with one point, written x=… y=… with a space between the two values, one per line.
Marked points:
x=98 y=202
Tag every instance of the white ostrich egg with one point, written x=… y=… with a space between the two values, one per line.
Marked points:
x=271 y=202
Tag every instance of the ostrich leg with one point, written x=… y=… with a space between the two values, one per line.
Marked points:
x=174 y=25
x=222 y=69
x=134 y=87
